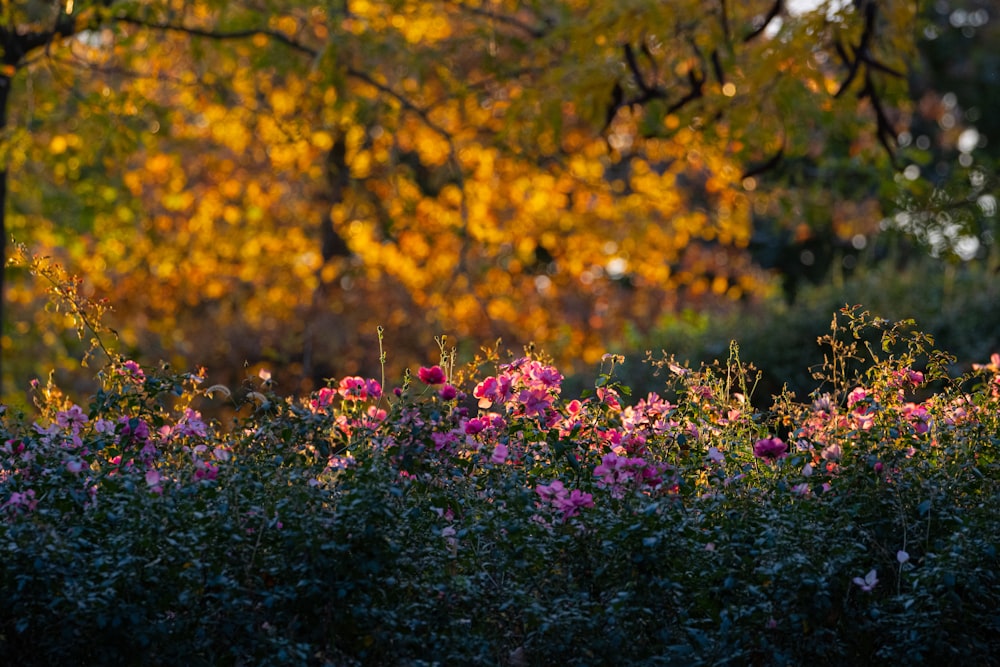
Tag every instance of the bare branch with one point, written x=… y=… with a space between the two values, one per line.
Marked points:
x=633 y=66
x=776 y=9
x=767 y=165
x=530 y=30
x=275 y=35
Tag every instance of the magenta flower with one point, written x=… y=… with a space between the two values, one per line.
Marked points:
x=133 y=428
x=432 y=375
x=770 y=449
x=475 y=425
x=356 y=388
x=447 y=392
x=572 y=503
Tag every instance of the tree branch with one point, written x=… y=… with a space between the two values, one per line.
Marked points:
x=776 y=9
x=275 y=35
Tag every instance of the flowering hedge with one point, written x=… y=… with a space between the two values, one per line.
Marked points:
x=482 y=517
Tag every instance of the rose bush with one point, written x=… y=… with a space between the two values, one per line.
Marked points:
x=483 y=517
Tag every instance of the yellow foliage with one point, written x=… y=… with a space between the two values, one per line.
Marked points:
x=485 y=183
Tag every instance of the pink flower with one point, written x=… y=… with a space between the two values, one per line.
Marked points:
x=499 y=453
x=192 y=425
x=73 y=418
x=447 y=440
x=535 y=401
x=26 y=500
x=358 y=389
x=494 y=390
x=432 y=375
x=133 y=369
x=919 y=418
x=547 y=376
x=770 y=449
x=609 y=397
x=857 y=395
x=569 y=502
x=447 y=392
x=324 y=397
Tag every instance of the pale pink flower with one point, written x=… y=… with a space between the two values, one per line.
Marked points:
x=832 y=452
x=105 y=426
x=73 y=417
x=499 y=453
x=551 y=491
x=868 y=583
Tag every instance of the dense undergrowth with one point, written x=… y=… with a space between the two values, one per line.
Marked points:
x=481 y=515
x=953 y=302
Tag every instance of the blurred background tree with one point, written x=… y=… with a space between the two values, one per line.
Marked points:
x=268 y=182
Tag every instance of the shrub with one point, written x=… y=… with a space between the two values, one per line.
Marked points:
x=493 y=520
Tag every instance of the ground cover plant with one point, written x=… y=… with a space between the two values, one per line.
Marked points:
x=477 y=515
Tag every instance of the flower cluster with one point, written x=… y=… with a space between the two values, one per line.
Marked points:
x=567 y=501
